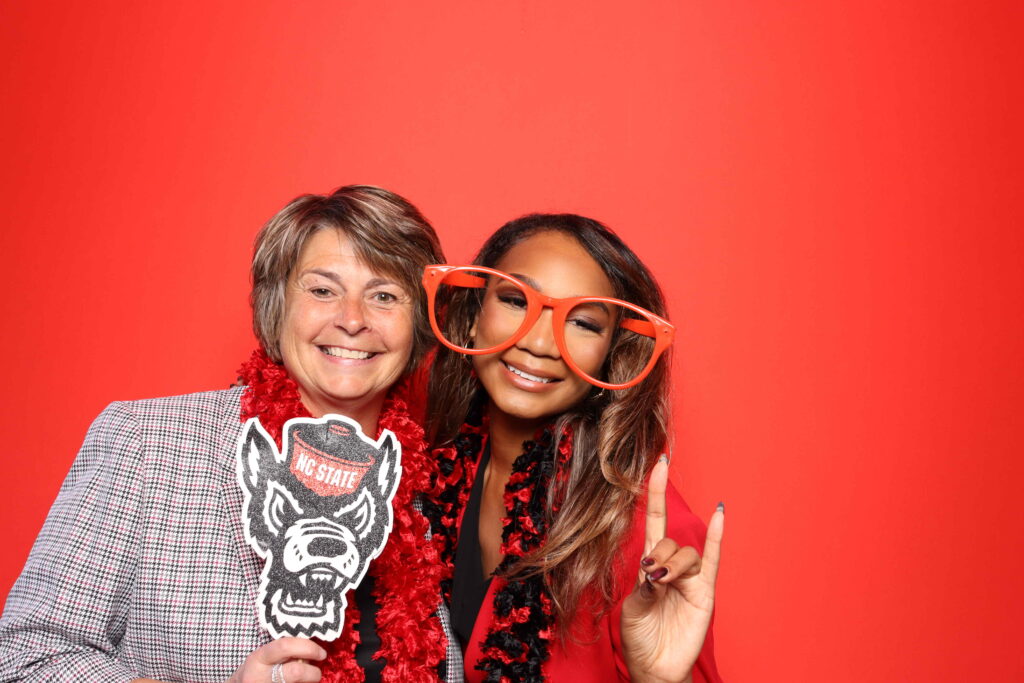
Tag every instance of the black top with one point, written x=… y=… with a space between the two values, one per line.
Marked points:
x=367 y=627
x=469 y=587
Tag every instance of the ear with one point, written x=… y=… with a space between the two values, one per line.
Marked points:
x=279 y=508
x=360 y=513
x=256 y=454
x=257 y=462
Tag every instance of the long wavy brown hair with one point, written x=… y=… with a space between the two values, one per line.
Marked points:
x=617 y=435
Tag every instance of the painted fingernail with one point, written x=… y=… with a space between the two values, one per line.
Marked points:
x=663 y=458
x=647 y=561
x=721 y=506
x=654 y=576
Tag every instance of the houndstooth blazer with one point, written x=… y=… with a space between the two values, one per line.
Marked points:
x=142 y=569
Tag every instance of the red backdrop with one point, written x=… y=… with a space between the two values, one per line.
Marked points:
x=828 y=191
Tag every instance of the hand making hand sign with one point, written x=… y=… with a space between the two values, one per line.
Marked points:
x=666 y=617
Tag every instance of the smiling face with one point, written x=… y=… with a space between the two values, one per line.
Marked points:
x=530 y=381
x=347 y=331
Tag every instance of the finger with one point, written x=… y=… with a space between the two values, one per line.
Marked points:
x=656 y=519
x=713 y=544
x=289 y=648
x=300 y=672
x=658 y=556
x=653 y=563
x=684 y=563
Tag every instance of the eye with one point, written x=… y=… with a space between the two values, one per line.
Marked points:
x=586 y=324
x=320 y=292
x=512 y=299
x=384 y=298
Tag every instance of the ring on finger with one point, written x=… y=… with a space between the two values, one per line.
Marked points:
x=277 y=673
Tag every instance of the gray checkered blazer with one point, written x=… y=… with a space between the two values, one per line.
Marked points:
x=142 y=569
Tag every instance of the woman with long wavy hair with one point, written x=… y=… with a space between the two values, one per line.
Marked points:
x=549 y=411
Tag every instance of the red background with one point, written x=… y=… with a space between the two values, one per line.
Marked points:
x=829 y=192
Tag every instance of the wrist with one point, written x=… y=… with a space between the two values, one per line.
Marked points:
x=638 y=676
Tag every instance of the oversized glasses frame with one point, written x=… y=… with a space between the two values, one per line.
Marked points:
x=661 y=331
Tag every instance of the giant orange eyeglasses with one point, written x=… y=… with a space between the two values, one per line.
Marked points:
x=580 y=324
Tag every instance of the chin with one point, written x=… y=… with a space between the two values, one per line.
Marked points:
x=349 y=394
x=528 y=408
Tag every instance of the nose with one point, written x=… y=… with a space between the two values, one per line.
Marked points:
x=326 y=546
x=351 y=315
x=539 y=340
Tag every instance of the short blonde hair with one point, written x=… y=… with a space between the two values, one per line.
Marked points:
x=388 y=233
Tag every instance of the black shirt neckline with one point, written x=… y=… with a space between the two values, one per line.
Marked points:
x=469 y=587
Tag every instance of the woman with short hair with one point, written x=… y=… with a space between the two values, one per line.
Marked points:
x=142 y=569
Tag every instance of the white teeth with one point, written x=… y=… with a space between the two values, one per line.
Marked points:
x=337 y=582
x=303 y=578
x=532 y=378
x=339 y=352
x=320 y=601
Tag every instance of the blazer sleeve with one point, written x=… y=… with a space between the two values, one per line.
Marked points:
x=67 y=612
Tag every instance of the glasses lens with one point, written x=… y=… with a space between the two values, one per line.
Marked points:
x=496 y=303
x=591 y=327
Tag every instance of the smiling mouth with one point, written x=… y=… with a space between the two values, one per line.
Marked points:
x=339 y=352
x=526 y=375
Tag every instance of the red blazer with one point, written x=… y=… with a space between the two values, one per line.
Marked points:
x=595 y=661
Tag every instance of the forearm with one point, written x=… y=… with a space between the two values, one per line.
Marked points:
x=57 y=663
x=66 y=614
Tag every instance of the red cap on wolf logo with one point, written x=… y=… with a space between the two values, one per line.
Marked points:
x=328 y=459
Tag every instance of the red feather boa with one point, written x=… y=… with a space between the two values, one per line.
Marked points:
x=409 y=572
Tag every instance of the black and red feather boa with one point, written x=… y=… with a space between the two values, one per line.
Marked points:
x=408 y=573
x=517 y=643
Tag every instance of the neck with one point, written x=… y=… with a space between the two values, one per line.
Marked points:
x=507 y=434
x=365 y=412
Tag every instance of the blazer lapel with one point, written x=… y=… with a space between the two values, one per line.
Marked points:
x=232 y=498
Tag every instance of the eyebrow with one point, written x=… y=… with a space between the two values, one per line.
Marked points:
x=335 y=278
x=527 y=279
x=330 y=275
x=533 y=283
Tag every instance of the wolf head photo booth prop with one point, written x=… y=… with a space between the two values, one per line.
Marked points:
x=318 y=511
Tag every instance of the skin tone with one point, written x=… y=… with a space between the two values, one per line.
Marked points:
x=294 y=654
x=520 y=406
x=665 y=618
x=345 y=339
x=347 y=330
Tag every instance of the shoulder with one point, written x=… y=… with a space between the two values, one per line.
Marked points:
x=204 y=404
x=189 y=422
x=684 y=527
x=207 y=410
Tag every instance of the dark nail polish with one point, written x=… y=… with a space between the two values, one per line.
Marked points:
x=647 y=561
x=721 y=506
x=654 y=576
